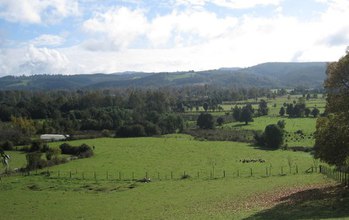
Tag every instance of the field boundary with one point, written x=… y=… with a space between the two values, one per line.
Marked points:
x=268 y=171
x=333 y=173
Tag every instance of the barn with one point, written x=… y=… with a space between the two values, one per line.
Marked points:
x=53 y=137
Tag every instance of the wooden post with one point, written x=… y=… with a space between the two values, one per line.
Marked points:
x=198 y=174
x=251 y=171
x=223 y=173
x=297 y=169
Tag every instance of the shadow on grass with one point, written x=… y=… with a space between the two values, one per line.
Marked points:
x=329 y=202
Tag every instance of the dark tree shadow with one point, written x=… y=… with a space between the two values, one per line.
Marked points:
x=329 y=202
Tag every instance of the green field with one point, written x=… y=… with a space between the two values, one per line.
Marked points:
x=209 y=195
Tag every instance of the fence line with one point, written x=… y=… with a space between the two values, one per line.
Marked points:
x=336 y=174
x=116 y=175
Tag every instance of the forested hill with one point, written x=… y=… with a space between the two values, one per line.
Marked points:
x=272 y=75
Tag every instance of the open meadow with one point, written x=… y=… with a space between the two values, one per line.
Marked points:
x=217 y=183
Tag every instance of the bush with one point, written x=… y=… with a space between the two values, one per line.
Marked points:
x=34 y=161
x=82 y=151
x=36 y=146
x=205 y=121
x=273 y=136
x=259 y=139
x=8 y=145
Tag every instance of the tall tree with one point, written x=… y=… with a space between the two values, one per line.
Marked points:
x=246 y=115
x=332 y=131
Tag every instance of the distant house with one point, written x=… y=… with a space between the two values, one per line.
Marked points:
x=53 y=137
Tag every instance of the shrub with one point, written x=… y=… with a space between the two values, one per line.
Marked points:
x=8 y=145
x=82 y=151
x=205 y=121
x=36 y=146
x=34 y=161
x=273 y=136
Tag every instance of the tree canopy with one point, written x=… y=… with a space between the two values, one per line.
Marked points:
x=332 y=131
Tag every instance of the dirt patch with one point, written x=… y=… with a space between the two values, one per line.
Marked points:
x=286 y=195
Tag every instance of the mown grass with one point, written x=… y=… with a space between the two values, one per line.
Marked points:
x=52 y=197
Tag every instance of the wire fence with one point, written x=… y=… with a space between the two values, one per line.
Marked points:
x=213 y=173
x=336 y=174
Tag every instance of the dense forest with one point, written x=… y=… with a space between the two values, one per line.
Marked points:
x=124 y=112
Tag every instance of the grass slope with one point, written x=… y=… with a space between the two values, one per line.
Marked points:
x=42 y=197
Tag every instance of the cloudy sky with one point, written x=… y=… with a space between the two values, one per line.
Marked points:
x=89 y=36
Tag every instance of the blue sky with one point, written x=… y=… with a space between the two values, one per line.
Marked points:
x=90 y=36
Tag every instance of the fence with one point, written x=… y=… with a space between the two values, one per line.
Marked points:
x=336 y=174
x=261 y=172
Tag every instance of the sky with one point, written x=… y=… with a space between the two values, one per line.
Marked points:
x=106 y=36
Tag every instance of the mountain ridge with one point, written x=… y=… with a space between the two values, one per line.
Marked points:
x=272 y=74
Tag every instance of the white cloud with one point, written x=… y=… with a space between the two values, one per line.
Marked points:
x=234 y=4
x=119 y=26
x=37 y=11
x=33 y=60
x=48 y=40
x=121 y=39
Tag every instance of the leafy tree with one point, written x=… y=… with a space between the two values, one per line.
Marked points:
x=281 y=124
x=332 y=131
x=236 y=113
x=263 y=107
x=315 y=112
x=282 y=111
x=205 y=106
x=273 y=136
x=205 y=121
x=246 y=115
x=307 y=112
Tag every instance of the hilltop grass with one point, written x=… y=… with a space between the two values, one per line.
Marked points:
x=43 y=197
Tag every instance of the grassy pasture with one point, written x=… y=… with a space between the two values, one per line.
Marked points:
x=40 y=197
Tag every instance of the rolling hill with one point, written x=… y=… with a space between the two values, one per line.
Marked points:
x=270 y=75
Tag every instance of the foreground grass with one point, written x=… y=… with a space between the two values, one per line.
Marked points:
x=38 y=197
x=232 y=197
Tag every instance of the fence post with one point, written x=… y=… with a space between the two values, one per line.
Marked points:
x=223 y=173
x=251 y=172
x=198 y=174
x=297 y=169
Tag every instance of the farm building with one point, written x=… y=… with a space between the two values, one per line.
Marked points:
x=53 y=137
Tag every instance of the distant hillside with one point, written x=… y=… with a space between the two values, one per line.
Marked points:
x=272 y=75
